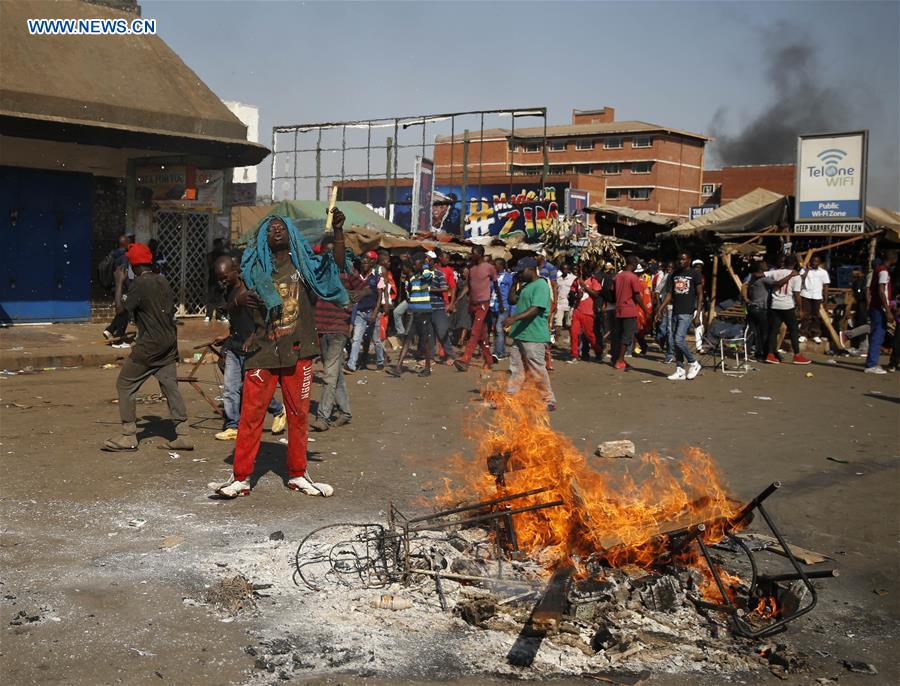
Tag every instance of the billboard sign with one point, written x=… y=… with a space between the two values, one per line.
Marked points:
x=423 y=188
x=182 y=187
x=576 y=201
x=831 y=182
x=699 y=210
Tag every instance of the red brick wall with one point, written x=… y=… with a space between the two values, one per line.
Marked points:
x=733 y=182
x=604 y=115
x=677 y=167
x=738 y=181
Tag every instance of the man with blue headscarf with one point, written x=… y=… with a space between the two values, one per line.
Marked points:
x=284 y=277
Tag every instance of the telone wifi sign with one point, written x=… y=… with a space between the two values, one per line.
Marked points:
x=831 y=179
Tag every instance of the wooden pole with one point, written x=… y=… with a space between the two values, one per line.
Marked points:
x=726 y=260
x=712 y=297
x=332 y=201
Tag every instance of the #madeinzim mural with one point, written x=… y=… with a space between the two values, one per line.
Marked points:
x=491 y=210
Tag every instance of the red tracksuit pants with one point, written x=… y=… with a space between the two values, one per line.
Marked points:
x=478 y=337
x=583 y=324
x=259 y=387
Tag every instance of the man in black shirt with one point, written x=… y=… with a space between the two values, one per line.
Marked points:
x=155 y=350
x=684 y=290
x=236 y=343
x=213 y=294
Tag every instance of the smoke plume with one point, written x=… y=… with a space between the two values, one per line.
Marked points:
x=799 y=103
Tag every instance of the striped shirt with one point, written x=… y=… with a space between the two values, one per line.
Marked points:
x=419 y=291
x=437 y=297
x=334 y=318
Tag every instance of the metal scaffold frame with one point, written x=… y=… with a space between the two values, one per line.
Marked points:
x=460 y=172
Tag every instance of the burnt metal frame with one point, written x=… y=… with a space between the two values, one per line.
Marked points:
x=405 y=526
x=392 y=147
x=741 y=627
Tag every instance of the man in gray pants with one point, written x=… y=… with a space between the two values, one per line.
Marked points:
x=154 y=353
x=529 y=329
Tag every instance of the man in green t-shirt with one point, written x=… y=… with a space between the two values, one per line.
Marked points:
x=530 y=331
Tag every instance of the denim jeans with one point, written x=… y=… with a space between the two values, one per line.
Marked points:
x=334 y=387
x=399 y=313
x=665 y=334
x=363 y=332
x=233 y=382
x=499 y=334
x=878 y=322
x=682 y=324
x=440 y=320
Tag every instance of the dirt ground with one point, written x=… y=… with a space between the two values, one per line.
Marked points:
x=104 y=601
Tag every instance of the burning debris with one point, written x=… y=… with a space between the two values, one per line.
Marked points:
x=630 y=571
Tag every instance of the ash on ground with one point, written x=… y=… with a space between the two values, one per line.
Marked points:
x=628 y=622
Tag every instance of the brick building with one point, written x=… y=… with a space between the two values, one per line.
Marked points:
x=723 y=185
x=624 y=163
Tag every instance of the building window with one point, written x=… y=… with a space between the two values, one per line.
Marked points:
x=641 y=167
x=557 y=146
x=560 y=170
x=612 y=193
x=612 y=169
x=612 y=143
x=584 y=145
x=641 y=142
x=639 y=193
x=532 y=147
x=708 y=189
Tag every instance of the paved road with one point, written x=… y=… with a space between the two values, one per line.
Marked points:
x=110 y=596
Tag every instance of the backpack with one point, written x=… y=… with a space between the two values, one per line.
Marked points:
x=106 y=271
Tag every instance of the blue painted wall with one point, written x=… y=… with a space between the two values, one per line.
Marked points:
x=45 y=245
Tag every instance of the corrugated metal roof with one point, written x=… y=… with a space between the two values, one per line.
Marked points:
x=596 y=128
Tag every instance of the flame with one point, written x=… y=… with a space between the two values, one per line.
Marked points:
x=623 y=516
x=767 y=608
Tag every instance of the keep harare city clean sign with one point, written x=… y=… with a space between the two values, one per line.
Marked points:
x=831 y=183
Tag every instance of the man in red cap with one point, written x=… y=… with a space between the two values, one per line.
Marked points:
x=155 y=350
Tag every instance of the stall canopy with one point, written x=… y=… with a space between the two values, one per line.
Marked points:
x=760 y=209
x=364 y=230
x=627 y=213
x=757 y=210
x=309 y=216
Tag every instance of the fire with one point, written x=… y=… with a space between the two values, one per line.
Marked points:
x=621 y=516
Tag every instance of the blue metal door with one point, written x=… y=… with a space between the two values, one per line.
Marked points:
x=45 y=245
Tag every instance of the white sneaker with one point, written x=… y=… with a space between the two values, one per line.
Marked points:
x=817 y=339
x=574 y=360
x=877 y=369
x=802 y=339
x=693 y=370
x=121 y=345
x=206 y=319
x=679 y=375
x=304 y=485
x=230 y=488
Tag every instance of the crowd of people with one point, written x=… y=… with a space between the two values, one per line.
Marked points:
x=287 y=302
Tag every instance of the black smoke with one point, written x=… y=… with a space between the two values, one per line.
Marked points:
x=799 y=102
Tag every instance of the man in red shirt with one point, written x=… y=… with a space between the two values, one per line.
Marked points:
x=587 y=289
x=628 y=289
x=482 y=279
x=449 y=274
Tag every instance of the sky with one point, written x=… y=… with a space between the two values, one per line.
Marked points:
x=717 y=68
